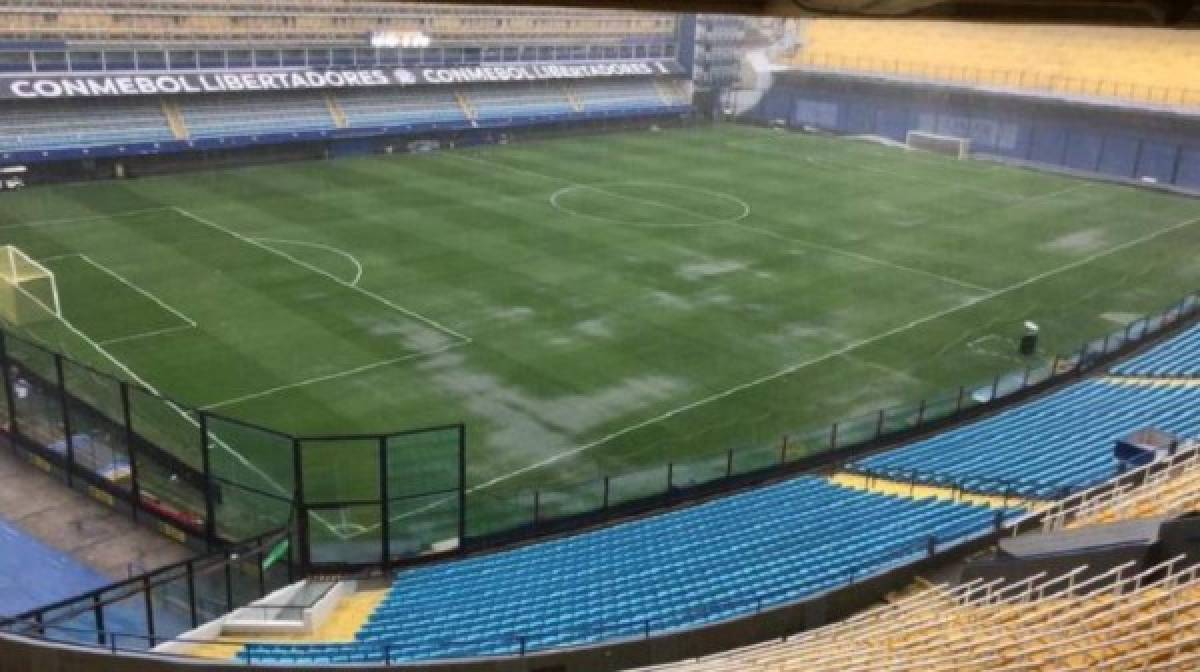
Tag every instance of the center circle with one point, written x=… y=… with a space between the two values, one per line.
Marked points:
x=654 y=204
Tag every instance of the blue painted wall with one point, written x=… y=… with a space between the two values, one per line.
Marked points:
x=1111 y=141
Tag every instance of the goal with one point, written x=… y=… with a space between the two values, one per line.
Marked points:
x=29 y=291
x=942 y=144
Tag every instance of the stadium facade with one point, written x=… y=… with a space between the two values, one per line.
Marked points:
x=179 y=79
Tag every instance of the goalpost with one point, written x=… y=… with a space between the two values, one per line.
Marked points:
x=29 y=292
x=941 y=144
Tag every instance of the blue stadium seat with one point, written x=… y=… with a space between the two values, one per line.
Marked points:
x=398 y=107
x=1177 y=357
x=232 y=115
x=679 y=569
x=73 y=124
x=1042 y=448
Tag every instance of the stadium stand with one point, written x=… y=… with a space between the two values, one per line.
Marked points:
x=1143 y=65
x=508 y=101
x=1118 y=620
x=1178 y=357
x=1044 y=448
x=74 y=124
x=683 y=568
x=641 y=94
x=364 y=109
x=218 y=116
x=314 y=21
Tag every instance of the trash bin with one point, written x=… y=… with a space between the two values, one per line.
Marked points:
x=1029 y=340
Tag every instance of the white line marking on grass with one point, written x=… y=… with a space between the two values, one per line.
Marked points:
x=121 y=279
x=147 y=334
x=152 y=390
x=735 y=222
x=319 y=271
x=835 y=353
x=358 y=267
x=705 y=220
x=867 y=258
x=330 y=376
x=90 y=218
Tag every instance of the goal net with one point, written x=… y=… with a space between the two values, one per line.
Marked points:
x=28 y=292
x=942 y=144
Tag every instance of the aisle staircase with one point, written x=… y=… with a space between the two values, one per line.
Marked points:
x=468 y=109
x=175 y=119
x=336 y=111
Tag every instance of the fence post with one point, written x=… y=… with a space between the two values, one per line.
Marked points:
x=68 y=441
x=135 y=486
x=462 y=482
x=729 y=464
x=607 y=488
x=670 y=476
x=210 y=519
x=995 y=388
x=98 y=613
x=833 y=436
x=920 y=413
x=149 y=609
x=958 y=405
x=10 y=403
x=191 y=588
x=879 y=423
x=783 y=450
x=385 y=528
x=537 y=505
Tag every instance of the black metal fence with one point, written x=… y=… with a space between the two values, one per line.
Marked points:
x=158 y=606
x=212 y=480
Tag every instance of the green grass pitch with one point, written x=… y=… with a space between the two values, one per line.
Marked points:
x=596 y=304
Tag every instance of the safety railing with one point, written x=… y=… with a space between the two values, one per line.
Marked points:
x=44 y=625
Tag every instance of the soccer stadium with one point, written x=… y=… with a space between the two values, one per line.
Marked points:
x=470 y=337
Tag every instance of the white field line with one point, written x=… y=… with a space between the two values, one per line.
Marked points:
x=319 y=271
x=358 y=267
x=330 y=376
x=866 y=258
x=146 y=334
x=691 y=213
x=835 y=353
x=152 y=390
x=90 y=218
x=124 y=281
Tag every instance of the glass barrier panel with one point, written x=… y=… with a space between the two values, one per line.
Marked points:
x=422 y=478
x=340 y=470
x=570 y=500
x=808 y=443
x=345 y=534
x=246 y=579
x=72 y=623
x=127 y=616
x=489 y=513
x=752 y=458
x=35 y=394
x=858 y=430
x=1039 y=373
x=421 y=524
x=1137 y=329
x=940 y=406
x=252 y=478
x=637 y=484
x=700 y=470
x=166 y=426
x=212 y=592
x=172 y=613
x=96 y=413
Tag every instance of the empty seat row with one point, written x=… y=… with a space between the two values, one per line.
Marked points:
x=79 y=124
x=1177 y=357
x=679 y=569
x=1060 y=442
